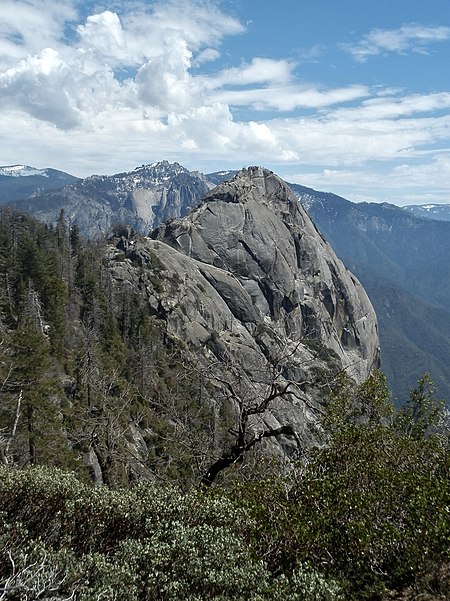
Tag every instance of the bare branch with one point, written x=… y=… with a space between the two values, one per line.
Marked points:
x=237 y=452
x=13 y=431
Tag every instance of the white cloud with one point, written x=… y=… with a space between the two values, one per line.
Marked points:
x=260 y=70
x=143 y=57
x=102 y=34
x=385 y=107
x=416 y=113
x=410 y=37
x=290 y=97
x=28 y=26
x=207 y=55
x=403 y=183
x=38 y=86
x=434 y=173
x=200 y=23
x=133 y=73
x=164 y=81
x=334 y=139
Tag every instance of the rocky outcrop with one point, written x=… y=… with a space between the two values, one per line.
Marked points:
x=407 y=278
x=272 y=264
x=246 y=280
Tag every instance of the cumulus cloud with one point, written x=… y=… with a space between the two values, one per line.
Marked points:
x=140 y=57
x=410 y=37
x=201 y=23
x=38 y=86
x=102 y=35
x=164 y=81
x=28 y=26
x=73 y=83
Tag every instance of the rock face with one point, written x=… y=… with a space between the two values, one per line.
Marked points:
x=263 y=255
x=246 y=280
x=140 y=199
x=406 y=277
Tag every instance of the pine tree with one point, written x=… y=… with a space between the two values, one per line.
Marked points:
x=36 y=425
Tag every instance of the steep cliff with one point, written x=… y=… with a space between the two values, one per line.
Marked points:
x=247 y=283
x=140 y=198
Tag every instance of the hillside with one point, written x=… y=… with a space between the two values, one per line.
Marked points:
x=439 y=212
x=141 y=199
x=240 y=307
x=387 y=248
x=403 y=262
x=211 y=390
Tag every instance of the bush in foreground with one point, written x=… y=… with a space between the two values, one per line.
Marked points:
x=64 y=540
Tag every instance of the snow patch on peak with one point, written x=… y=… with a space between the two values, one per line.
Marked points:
x=157 y=173
x=21 y=171
x=161 y=166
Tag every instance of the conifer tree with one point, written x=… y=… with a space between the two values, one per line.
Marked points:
x=36 y=424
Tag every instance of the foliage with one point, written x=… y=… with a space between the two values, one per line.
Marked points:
x=372 y=507
x=146 y=543
x=421 y=413
x=370 y=510
x=90 y=382
x=87 y=378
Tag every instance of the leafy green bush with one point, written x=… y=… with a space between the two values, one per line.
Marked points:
x=143 y=543
x=366 y=512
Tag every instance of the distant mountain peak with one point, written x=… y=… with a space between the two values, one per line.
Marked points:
x=439 y=212
x=166 y=165
x=20 y=182
x=141 y=198
x=161 y=167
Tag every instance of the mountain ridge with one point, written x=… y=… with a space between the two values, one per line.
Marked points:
x=402 y=260
x=22 y=181
x=246 y=281
x=139 y=198
x=439 y=212
x=376 y=242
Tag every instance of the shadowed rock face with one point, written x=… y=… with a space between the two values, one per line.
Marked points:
x=247 y=280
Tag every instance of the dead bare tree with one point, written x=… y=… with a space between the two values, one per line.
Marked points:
x=6 y=438
x=253 y=396
x=34 y=578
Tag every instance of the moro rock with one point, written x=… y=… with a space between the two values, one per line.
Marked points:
x=246 y=282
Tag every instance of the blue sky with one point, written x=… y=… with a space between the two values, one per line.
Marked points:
x=351 y=97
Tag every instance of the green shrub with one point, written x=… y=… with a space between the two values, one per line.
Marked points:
x=367 y=512
x=63 y=538
x=371 y=507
